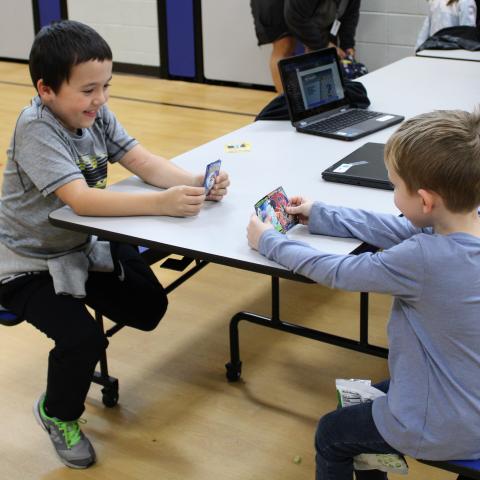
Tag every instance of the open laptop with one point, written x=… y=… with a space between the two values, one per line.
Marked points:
x=364 y=166
x=315 y=93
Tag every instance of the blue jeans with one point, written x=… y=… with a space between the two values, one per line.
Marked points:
x=345 y=433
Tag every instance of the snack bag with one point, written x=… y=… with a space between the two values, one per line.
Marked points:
x=355 y=391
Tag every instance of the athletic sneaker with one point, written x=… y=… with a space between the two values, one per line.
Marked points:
x=72 y=446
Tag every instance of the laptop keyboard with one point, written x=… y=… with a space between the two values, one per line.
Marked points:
x=343 y=120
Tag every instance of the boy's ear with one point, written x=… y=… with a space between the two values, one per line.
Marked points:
x=43 y=90
x=428 y=200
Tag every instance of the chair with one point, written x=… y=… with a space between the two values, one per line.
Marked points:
x=467 y=469
x=110 y=384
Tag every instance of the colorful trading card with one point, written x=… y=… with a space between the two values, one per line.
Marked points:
x=211 y=172
x=237 y=147
x=272 y=206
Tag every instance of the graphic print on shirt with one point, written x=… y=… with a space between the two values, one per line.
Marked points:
x=94 y=169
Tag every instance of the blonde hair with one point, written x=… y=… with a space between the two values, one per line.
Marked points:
x=440 y=151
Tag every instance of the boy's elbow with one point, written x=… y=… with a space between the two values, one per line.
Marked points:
x=80 y=210
x=80 y=203
x=77 y=195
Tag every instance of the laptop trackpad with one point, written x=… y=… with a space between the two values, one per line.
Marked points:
x=349 y=132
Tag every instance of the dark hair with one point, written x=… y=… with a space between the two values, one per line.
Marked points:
x=60 y=46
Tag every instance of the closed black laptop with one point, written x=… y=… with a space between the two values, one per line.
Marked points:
x=315 y=93
x=364 y=166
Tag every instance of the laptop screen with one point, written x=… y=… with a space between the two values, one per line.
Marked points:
x=312 y=83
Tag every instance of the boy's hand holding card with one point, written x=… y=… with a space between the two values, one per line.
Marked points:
x=272 y=207
x=211 y=173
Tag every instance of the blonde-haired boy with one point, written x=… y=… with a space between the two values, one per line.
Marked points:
x=430 y=263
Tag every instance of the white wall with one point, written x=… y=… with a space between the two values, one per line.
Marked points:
x=387 y=30
x=129 y=26
x=230 y=51
x=16 y=29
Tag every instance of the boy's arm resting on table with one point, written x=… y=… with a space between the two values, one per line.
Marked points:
x=176 y=201
x=160 y=172
x=380 y=230
x=397 y=271
x=184 y=194
x=156 y=170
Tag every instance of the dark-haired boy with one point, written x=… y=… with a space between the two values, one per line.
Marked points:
x=58 y=155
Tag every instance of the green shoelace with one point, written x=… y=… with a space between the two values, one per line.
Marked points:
x=70 y=430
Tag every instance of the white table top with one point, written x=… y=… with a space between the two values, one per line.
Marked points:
x=451 y=54
x=282 y=156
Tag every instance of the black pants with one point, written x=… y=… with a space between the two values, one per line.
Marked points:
x=138 y=301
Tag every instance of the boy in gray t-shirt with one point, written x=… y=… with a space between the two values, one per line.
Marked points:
x=58 y=156
x=430 y=264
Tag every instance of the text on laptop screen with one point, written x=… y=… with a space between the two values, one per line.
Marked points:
x=312 y=81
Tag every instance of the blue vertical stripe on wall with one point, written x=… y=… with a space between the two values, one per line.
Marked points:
x=181 y=39
x=49 y=10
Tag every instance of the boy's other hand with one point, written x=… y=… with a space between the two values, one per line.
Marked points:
x=300 y=207
x=183 y=201
x=255 y=229
x=219 y=189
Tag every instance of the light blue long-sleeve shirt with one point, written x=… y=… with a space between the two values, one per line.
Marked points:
x=432 y=410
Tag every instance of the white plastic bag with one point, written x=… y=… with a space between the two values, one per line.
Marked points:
x=353 y=392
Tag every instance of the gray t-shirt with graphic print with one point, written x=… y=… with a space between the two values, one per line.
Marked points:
x=43 y=156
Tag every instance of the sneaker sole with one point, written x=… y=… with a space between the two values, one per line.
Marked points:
x=36 y=413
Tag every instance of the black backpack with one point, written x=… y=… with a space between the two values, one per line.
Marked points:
x=452 y=38
x=277 y=108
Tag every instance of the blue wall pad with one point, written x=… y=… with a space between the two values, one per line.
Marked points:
x=49 y=10
x=181 y=38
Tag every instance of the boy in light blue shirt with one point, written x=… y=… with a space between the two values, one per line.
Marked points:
x=430 y=263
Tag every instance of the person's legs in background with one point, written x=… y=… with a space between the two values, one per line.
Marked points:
x=270 y=27
x=281 y=48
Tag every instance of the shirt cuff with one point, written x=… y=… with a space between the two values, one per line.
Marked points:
x=266 y=235
x=315 y=219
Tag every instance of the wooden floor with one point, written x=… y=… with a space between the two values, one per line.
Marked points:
x=178 y=418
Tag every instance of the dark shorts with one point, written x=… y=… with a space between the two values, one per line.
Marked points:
x=269 y=20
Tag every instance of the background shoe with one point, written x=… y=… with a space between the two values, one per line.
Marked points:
x=71 y=445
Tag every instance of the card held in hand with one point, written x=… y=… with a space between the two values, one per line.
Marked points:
x=211 y=172
x=272 y=206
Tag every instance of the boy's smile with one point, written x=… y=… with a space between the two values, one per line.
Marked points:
x=77 y=102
